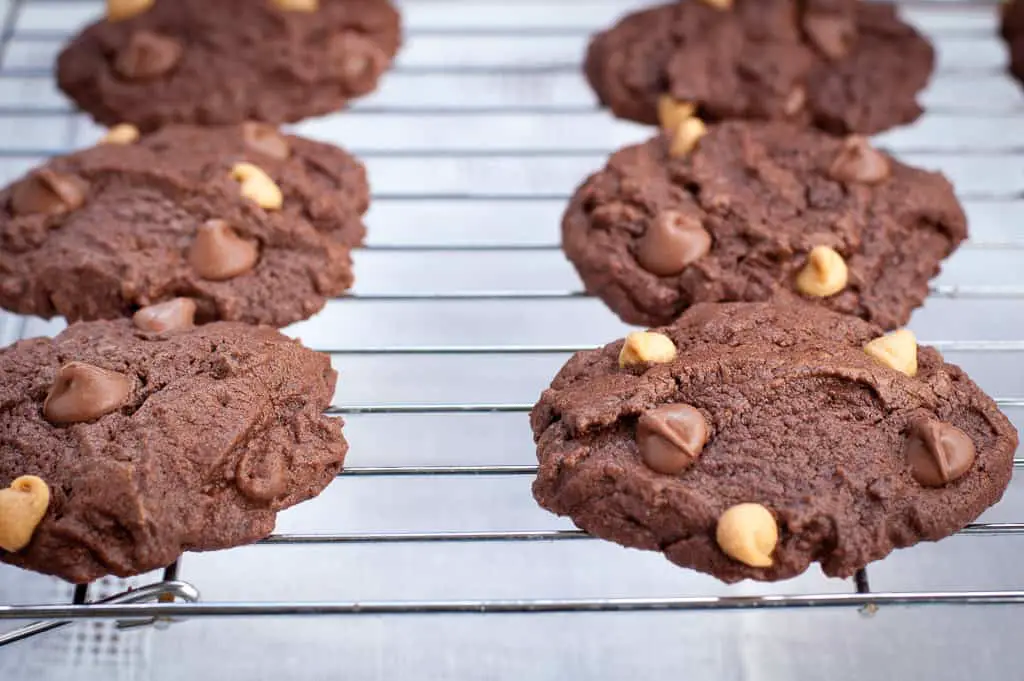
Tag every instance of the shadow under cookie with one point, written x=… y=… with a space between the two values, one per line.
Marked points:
x=151 y=63
x=251 y=224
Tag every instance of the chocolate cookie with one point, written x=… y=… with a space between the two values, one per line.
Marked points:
x=124 y=444
x=749 y=440
x=253 y=225
x=759 y=210
x=842 y=65
x=153 y=62
x=1013 y=31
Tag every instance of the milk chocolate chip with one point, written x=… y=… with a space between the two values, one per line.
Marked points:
x=148 y=55
x=83 y=392
x=49 y=193
x=265 y=139
x=858 y=161
x=174 y=315
x=672 y=242
x=218 y=253
x=671 y=437
x=356 y=60
x=832 y=34
x=937 y=452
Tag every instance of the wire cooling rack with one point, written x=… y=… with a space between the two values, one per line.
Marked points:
x=429 y=550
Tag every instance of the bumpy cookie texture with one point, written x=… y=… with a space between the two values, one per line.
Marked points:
x=221 y=428
x=1013 y=31
x=842 y=65
x=798 y=418
x=211 y=63
x=103 y=232
x=768 y=194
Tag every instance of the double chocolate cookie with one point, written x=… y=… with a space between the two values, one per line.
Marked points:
x=153 y=62
x=1013 y=31
x=842 y=65
x=755 y=210
x=123 y=444
x=748 y=440
x=251 y=224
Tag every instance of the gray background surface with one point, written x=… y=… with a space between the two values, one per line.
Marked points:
x=472 y=144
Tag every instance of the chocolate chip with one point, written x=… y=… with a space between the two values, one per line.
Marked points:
x=83 y=392
x=858 y=161
x=832 y=34
x=49 y=193
x=265 y=139
x=356 y=60
x=672 y=242
x=671 y=437
x=218 y=253
x=937 y=452
x=174 y=315
x=148 y=55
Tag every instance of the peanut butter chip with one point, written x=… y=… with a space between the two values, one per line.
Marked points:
x=147 y=56
x=22 y=507
x=122 y=133
x=49 y=193
x=673 y=241
x=719 y=4
x=896 y=350
x=174 y=315
x=671 y=437
x=646 y=347
x=686 y=136
x=858 y=161
x=83 y=392
x=832 y=34
x=672 y=112
x=824 y=275
x=265 y=139
x=218 y=253
x=748 y=533
x=297 y=5
x=119 y=10
x=938 y=453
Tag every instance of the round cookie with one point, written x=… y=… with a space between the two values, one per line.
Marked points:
x=841 y=65
x=151 y=443
x=773 y=436
x=195 y=61
x=254 y=225
x=1012 y=29
x=744 y=214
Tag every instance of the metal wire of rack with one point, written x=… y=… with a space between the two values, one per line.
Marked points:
x=481 y=131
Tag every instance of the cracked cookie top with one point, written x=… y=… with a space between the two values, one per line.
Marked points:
x=755 y=211
x=152 y=442
x=749 y=440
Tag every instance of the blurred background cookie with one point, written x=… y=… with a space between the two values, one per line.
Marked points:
x=153 y=62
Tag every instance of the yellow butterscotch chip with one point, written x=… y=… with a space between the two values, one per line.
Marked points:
x=119 y=10
x=825 y=273
x=257 y=186
x=122 y=133
x=897 y=350
x=646 y=347
x=297 y=5
x=748 y=533
x=22 y=507
x=686 y=136
x=672 y=112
